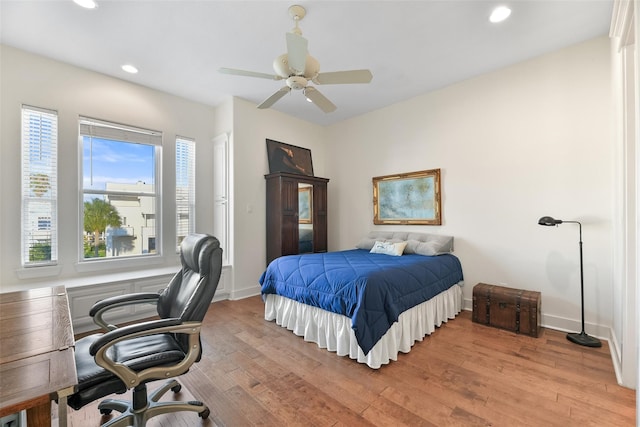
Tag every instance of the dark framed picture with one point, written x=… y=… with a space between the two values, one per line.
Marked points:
x=288 y=158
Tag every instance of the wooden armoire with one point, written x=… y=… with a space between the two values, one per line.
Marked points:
x=293 y=227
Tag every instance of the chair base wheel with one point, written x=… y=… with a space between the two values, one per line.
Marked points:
x=137 y=417
x=205 y=414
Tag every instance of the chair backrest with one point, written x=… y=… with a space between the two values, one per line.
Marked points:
x=191 y=290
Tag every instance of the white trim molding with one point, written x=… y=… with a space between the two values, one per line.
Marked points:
x=626 y=102
x=622 y=27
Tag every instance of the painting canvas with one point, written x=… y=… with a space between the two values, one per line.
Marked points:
x=409 y=198
x=289 y=158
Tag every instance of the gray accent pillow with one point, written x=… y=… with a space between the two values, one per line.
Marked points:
x=417 y=243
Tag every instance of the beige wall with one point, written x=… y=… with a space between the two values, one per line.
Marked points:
x=251 y=128
x=38 y=81
x=71 y=91
x=526 y=141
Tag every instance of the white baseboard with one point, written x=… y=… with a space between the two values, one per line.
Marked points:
x=562 y=323
x=616 y=356
x=244 y=293
x=220 y=296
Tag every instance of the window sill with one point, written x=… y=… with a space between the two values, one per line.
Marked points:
x=104 y=272
x=116 y=264
x=120 y=276
x=50 y=276
x=39 y=272
x=115 y=275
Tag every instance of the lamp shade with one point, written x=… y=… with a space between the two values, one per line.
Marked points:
x=547 y=220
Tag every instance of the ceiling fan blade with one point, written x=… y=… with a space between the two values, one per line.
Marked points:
x=235 y=72
x=319 y=99
x=296 y=52
x=274 y=98
x=342 y=77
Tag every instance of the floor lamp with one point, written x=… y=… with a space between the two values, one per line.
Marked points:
x=579 y=338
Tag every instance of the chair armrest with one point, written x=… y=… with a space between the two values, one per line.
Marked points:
x=101 y=307
x=131 y=378
x=132 y=331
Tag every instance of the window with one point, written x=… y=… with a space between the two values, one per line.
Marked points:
x=185 y=188
x=120 y=190
x=39 y=186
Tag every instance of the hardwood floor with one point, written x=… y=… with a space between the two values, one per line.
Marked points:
x=254 y=372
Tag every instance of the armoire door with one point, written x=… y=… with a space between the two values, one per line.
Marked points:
x=320 y=217
x=289 y=218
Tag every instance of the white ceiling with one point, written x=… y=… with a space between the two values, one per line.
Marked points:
x=411 y=47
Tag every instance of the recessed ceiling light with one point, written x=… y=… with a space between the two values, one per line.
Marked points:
x=499 y=14
x=129 y=68
x=87 y=4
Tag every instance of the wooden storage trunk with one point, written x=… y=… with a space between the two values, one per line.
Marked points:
x=515 y=310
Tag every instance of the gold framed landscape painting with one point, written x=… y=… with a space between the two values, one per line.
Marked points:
x=407 y=198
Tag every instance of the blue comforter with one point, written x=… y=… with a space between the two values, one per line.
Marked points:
x=371 y=289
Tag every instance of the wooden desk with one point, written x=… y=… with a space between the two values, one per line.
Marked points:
x=37 y=363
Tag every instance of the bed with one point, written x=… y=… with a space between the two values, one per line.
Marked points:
x=366 y=303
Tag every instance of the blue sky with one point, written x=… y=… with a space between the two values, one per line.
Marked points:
x=112 y=161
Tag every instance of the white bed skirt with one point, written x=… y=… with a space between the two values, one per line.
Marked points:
x=333 y=331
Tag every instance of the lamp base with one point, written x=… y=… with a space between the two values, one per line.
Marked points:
x=583 y=339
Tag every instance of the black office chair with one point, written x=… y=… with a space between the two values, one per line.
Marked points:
x=128 y=357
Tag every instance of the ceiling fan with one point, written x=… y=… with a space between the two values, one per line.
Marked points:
x=297 y=68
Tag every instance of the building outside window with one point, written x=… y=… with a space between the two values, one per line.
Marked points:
x=185 y=188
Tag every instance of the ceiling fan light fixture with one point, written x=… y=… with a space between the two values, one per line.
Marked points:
x=281 y=66
x=297 y=82
x=499 y=14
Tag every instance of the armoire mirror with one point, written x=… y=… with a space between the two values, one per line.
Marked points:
x=305 y=217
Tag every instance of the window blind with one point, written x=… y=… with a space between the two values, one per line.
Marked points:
x=185 y=187
x=39 y=186
x=100 y=129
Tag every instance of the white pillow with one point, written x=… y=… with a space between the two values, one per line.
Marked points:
x=388 y=248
